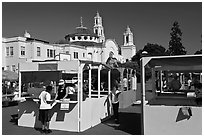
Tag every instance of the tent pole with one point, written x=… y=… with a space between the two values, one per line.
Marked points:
x=142 y=94
x=109 y=81
x=19 y=83
x=99 y=80
x=90 y=80
x=80 y=94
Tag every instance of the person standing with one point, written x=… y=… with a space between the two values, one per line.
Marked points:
x=115 y=102
x=44 y=111
x=64 y=91
x=189 y=83
x=125 y=82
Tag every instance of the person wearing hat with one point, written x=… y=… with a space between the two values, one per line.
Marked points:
x=63 y=91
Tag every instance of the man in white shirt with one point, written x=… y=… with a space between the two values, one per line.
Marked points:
x=44 y=111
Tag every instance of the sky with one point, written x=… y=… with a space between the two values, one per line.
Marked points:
x=150 y=22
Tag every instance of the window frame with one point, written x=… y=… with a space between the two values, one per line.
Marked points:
x=76 y=55
x=7 y=51
x=38 y=52
x=23 y=51
x=11 y=51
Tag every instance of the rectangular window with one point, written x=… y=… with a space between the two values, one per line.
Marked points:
x=38 y=51
x=48 y=53
x=76 y=55
x=11 y=51
x=51 y=53
x=22 y=51
x=7 y=51
x=84 y=55
x=54 y=53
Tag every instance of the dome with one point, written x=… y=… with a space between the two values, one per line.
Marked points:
x=81 y=31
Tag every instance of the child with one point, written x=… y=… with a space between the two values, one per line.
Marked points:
x=45 y=106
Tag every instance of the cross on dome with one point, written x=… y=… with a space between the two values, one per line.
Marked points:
x=81 y=23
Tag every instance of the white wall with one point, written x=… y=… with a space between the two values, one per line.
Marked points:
x=161 y=120
x=96 y=53
x=79 y=49
x=110 y=45
x=128 y=51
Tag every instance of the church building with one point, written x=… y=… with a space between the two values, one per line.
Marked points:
x=85 y=44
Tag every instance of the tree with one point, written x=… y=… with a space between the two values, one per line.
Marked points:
x=137 y=56
x=198 y=52
x=175 y=45
x=154 y=50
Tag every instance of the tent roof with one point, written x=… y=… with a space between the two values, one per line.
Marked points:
x=175 y=63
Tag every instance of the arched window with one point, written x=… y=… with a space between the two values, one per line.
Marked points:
x=127 y=39
x=96 y=31
x=90 y=56
x=79 y=38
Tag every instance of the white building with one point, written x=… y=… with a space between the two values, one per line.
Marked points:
x=21 y=49
x=128 y=49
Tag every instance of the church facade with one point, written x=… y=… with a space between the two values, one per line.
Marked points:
x=94 y=44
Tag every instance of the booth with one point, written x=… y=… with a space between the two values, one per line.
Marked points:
x=77 y=114
x=167 y=112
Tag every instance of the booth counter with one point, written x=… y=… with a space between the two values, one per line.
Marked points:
x=64 y=116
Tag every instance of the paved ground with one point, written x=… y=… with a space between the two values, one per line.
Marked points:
x=129 y=124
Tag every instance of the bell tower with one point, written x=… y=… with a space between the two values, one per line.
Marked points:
x=128 y=37
x=98 y=27
x=128 y=49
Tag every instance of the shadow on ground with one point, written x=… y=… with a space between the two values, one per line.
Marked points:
x=129 y=123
